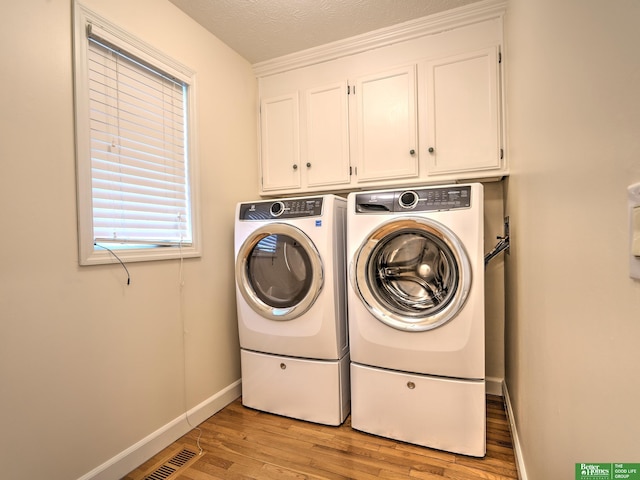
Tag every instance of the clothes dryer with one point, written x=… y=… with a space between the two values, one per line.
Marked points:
x=416 y=315
x=291 y=301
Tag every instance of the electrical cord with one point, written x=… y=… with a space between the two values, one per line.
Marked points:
x=184 y=350
x=184 y=334
x=117 y=258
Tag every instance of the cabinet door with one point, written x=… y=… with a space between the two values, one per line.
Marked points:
x=326 y=156
x=463 y=105
x=385 y=125
x=280 y=144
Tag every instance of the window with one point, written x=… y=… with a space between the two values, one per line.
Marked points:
x=135 y=165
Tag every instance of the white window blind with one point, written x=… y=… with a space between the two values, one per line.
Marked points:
x=139 y=171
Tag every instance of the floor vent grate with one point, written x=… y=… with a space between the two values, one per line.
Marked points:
x=177 y=462
x=182 y=457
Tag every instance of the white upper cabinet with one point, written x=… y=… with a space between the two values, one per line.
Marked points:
x=385 y=126
x=305 y=147
x=325 y=145
x=463 y=108
x=415 y=105
x=280 y=143
x=350 y=133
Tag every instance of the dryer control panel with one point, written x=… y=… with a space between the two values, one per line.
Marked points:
x=414 y=200
x=287 y=208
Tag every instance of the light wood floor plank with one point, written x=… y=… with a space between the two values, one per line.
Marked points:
x=241 y=443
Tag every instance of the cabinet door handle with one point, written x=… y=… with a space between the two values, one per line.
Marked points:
x=431 y=150
x=295 y=167
x=412 y=152
x=308 y=164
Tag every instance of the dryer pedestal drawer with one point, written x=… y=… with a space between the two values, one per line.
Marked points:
x=435 y=412
x=312 y=390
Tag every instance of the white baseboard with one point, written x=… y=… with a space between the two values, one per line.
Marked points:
x=127 y=460
x=517 y=450
x=134 y=456
x=493 y=385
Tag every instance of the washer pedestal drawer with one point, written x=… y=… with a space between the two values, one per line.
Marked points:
x=446 y=414
x=312 y=390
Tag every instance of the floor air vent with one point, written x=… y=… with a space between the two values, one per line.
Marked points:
x=167 y=469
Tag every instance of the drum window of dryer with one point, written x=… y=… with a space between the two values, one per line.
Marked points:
x=279 y=272
x=412 y=274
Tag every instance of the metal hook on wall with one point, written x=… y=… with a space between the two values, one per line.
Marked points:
x=501 y=246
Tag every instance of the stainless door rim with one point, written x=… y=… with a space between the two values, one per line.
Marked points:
x=360 y=281
x=246 y=289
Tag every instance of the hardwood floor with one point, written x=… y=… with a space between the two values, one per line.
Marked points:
x=240 y=443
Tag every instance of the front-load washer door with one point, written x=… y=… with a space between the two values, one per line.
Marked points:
x=279 y=271
x=412 y=274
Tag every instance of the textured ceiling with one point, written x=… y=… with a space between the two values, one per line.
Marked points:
x=261 y=30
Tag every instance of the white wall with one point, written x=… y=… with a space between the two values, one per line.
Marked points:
x=494 y=287
x=88 y=365
x=573 y=313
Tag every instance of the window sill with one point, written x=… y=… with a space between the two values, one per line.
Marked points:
x=100 y=255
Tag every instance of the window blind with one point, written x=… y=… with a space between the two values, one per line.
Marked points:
x=139 y=168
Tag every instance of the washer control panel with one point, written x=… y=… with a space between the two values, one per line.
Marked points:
x=414 y=200
x=281 y=209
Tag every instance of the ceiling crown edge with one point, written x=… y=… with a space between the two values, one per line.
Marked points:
x=429 y=25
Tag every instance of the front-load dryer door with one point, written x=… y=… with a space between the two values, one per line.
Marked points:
x=412 y=274
x=279 y=271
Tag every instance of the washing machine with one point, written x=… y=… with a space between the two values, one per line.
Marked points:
x=292 y=310
x=416 y=315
